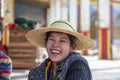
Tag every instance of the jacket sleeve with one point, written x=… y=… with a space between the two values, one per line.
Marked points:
x=5 y=67
x=79 y=70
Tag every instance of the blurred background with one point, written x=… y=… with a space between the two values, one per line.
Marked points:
x=96 y=19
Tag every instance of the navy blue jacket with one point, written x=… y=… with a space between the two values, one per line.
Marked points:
x=75 y=67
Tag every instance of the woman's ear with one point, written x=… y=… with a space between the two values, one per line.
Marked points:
x=73 y=47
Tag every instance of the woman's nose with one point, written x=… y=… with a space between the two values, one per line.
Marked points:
x=56 y=43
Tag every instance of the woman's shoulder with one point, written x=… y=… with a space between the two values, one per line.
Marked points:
x=76 y=56
x=73 y=58
x=38 y=68
x=38 y=72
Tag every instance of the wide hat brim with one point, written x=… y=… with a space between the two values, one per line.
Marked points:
x=37 y=37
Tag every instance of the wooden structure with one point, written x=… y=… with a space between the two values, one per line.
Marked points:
x=22 y=52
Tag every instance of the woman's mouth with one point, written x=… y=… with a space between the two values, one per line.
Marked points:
x=55 y=52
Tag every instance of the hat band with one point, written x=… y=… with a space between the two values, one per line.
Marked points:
x=64 y=23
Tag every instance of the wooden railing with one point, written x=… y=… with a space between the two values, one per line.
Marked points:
x=22 y=52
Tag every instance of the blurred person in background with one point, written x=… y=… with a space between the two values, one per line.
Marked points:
x=5 y=61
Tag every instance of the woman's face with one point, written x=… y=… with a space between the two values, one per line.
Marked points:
x=58 y=46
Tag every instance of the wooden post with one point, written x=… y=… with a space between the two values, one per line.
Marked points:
x=64 y=10
x=104 y=36
x=57 y=10
x=73 y=13
x=52 y=11
x=85 y=20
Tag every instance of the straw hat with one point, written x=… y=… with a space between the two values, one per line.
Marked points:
x=37 y=36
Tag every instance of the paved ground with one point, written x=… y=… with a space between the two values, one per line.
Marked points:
x=104 y=69
x=101 y=70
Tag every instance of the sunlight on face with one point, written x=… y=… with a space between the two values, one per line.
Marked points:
x=58 y=46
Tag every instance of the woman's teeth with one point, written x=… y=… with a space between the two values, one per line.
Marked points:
x=55 y=52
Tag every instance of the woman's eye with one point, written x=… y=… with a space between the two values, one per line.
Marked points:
x=62 y=40
x=51 y=39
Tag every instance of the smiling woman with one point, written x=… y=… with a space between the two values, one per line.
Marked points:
x=63 y=63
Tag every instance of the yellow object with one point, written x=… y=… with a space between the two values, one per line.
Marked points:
x=6 y=36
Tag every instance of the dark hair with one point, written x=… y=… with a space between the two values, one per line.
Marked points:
x=72 y=38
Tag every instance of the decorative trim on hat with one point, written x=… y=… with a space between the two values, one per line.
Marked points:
x=65 y=23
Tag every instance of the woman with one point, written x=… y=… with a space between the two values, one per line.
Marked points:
x=61 y=42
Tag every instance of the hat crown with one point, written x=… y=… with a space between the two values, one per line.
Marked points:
x=62 y=25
